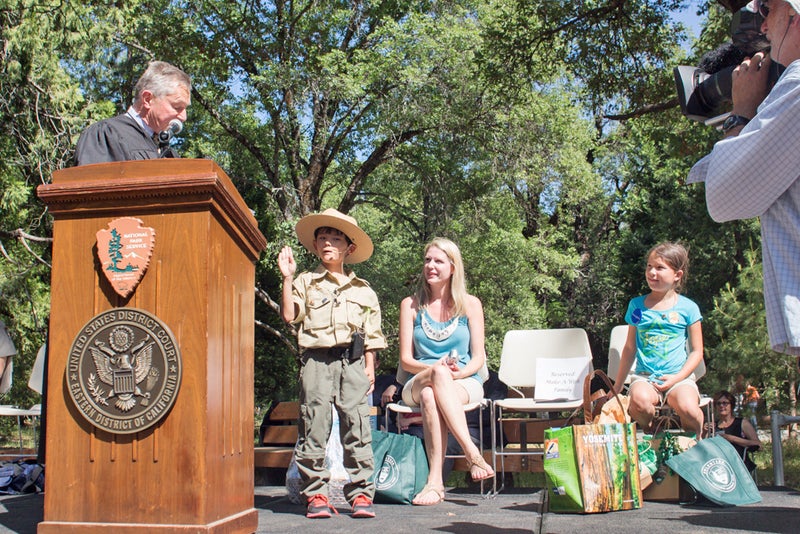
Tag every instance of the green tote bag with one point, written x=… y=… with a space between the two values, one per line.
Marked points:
x=715 y=469
x=401 y=466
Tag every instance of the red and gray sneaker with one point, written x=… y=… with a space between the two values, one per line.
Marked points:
x=319 y=507
x=362 y=507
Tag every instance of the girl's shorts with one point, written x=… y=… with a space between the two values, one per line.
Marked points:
x=688 y=381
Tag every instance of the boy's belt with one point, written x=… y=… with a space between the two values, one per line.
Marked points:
x=339 y=352
x=333 y=352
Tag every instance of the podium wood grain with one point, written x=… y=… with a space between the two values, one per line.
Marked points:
x=193 y=471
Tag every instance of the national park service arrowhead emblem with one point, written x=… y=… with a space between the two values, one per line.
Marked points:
x=124 y=250
x=124 y=370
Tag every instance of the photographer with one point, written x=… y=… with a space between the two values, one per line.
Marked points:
x=754 y=170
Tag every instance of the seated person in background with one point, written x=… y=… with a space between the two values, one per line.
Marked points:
x=387 y=390
x=7 y=350
x=661 y=323
x=737 y=430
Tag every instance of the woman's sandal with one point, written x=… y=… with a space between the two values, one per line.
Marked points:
x=428 y=489
x=479 y=463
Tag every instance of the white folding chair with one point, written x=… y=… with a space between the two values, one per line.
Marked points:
x=619 y=335
x=35 y=411
x=518 y=363
x=706 y=402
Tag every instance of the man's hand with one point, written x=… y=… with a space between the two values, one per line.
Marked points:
x=749 y=86
x=388 y=395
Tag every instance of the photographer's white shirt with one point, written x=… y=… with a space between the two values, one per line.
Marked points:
x=755 y=174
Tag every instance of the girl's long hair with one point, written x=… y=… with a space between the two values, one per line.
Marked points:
x=458 y=282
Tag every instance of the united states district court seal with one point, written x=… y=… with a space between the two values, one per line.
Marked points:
x=124 y=370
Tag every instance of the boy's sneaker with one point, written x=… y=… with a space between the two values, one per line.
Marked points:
x=362 y=507
x=319 y=507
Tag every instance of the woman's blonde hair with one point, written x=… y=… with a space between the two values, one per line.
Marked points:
x=458 y=282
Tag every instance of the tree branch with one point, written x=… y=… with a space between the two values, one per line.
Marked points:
x=24 y=237
x=645 y=110
x=381 y=154
x=278 y=334
x=274 y=306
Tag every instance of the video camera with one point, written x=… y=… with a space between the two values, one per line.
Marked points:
x=705 y=90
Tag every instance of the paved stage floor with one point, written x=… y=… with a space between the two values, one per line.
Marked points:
x=509 y=513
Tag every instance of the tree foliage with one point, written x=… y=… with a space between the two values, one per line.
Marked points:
x=740 y=345
x=543 y=137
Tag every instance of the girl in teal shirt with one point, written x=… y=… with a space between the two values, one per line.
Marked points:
x=660 y=324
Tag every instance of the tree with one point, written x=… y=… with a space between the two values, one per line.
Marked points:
x=740 y=344
x=534 y=134
x=40 y=110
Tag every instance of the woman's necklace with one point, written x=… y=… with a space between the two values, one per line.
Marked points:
x=431 y=332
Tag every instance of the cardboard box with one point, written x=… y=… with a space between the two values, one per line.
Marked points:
x=673 y=488
x=667 y=490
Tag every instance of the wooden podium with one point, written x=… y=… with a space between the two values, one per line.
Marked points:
x=192 y=471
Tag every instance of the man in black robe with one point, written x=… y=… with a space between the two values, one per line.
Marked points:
x=162 y=94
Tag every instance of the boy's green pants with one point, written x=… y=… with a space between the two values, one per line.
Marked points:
x=326 y=379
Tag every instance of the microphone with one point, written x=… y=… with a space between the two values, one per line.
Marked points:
x=174 y=128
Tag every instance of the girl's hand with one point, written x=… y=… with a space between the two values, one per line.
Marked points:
x=664 y=382
x=452 y=364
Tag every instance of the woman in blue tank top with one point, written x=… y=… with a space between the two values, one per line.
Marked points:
x=439 y=319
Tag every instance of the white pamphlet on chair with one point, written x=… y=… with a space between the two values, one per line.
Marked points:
x=561 y=379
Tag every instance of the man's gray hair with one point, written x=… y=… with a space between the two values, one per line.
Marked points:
x=161 y=79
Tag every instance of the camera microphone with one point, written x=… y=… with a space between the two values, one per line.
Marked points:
x=705 y=91
x=174 y=128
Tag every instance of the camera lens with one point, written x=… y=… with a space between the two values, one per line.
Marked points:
x=712 y=91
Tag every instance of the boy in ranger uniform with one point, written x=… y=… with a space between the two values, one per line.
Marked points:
x=338 y=321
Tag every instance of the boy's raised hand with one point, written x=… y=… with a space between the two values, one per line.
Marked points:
x=286 y=261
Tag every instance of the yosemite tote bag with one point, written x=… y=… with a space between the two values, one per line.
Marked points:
x=593 y=467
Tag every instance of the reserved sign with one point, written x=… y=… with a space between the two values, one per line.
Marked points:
x=561 y=379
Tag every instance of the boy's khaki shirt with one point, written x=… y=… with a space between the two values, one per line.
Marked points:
x=329 y=312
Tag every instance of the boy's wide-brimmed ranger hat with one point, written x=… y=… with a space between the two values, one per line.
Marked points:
x=344 y=223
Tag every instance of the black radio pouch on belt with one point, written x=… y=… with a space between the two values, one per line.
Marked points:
x=357 y=345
